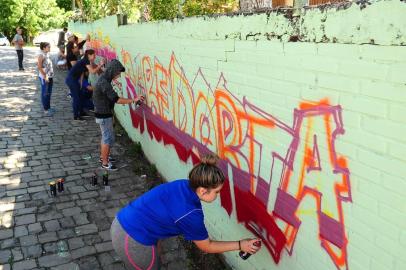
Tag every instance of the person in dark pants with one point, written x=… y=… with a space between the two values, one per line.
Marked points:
x=72 y=81
x=18 y=42
x=169 y=210
x=61 y=39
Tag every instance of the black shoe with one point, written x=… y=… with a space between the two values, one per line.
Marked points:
x=79 y=118
x=84 y=114
x=21 y=69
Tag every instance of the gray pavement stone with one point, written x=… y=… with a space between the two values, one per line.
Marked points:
x=25 y=219
x=102 y=247
x=25 y=211
x=33 y=251
x=71 y=211
x=52 y=225
x=47 y=237
x=86 y=229
x=81 y=219
x=105 y=235
x=20 y=231
x=6 y=233
x=67 y=233
x=53 y=260
x=28 y=240
x=8 y=243
x=67 y=222
x=75 y=243
x=82 y=252
x=35 y=228
x=67 y=266
x=25 y=265
x=17 y=254
x=5 y=256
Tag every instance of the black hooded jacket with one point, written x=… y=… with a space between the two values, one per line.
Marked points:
x=104 y=96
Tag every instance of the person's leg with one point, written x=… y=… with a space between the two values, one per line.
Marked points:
x=107 y=141
x=134 y=255
x=74 y=91
x=49 y=93
x=105 y=152
x=43 y=93
x=20 y=59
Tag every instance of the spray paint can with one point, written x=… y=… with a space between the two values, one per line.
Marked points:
x=60 y=185
x=93 y=182
x=52 y=188
x=246 y=255
x=105 y=178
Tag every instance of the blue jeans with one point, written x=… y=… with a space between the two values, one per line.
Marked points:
x=74 y=87
x=107 y=131
x=46 y=91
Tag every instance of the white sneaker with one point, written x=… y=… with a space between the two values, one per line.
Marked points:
x=109 y=167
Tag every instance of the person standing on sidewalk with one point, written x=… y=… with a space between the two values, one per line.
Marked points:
x=45 y=74
x=104 y=99
x=72 y=81
x=61 y=39
x=18 y=43
x=169 y=210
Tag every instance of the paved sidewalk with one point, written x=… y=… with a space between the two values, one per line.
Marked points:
x=70 y=231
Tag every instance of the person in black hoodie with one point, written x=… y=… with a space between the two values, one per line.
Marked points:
x=104 y=99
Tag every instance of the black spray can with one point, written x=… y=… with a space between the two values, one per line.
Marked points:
x=106 y=178
x=60 y=185
x=52 y=188
x=246 y=255
x=93 y=182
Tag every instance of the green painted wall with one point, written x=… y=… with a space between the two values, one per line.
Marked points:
x=311 y=133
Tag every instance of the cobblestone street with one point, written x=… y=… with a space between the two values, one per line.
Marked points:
x=70 y=231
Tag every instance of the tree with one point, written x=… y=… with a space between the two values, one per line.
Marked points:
x=203 y=7
x=33 y=16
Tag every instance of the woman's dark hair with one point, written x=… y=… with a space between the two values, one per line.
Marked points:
x=206 y=174
x=43 y=45
x=89 y=52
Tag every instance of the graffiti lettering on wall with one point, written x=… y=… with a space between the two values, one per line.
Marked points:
x=264 y=153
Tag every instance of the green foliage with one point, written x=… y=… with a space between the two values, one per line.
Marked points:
x=33 y=16
x=204 y=7
x=65 y=4
x=135 y=150
x=163 y=9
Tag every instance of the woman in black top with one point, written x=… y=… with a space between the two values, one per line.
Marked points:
x=72 y=49
x=72 y=80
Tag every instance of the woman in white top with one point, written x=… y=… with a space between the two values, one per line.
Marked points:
x=46 y=74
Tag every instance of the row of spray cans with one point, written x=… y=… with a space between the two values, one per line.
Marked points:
x=55 y=186
x=94 y=179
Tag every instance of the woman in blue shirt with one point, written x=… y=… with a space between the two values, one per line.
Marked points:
x=74 y=75
x=168 y=210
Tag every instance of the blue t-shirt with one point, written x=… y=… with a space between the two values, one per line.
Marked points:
x=80 y=67
x=167 y=210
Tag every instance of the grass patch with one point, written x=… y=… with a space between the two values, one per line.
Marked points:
x=135 y=150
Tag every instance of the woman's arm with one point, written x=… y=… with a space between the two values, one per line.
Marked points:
x=93 y=69
x=39 y=65
x=209 y=246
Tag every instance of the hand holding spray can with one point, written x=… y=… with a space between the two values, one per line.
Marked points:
x=246 y=255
